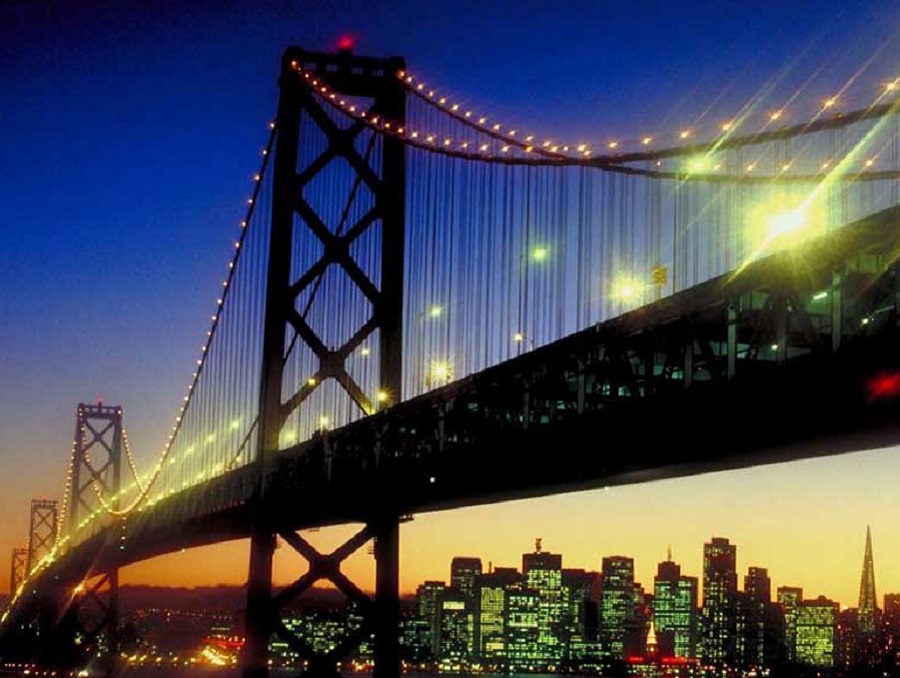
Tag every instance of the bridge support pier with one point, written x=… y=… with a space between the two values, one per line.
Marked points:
x=387 y=599
x=258 y=620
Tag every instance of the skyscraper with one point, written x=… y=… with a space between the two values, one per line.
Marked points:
x=675 y=611
x=867 y=602
x=789 y=598
x=455 y=630
x=760 y=623
x=719 y=617
x=492 y=599
x=817 y=632
x=522 y=629
x=428 y=606
x=463 y=573
x=617 y=604
x=580 y=619
x=543 y=574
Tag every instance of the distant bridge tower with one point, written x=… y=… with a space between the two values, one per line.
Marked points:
x=17 y=568
x=383 y=174
x=96 y=472
x=96 y=460
x=42 y=531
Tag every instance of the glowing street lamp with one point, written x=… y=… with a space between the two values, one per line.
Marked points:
x=786 y=223
x=436 y=311
x=627 y=290
x=440 y=372
x=540 y=253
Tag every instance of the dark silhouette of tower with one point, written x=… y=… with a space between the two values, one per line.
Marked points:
x=867 y=591
x=867 y=605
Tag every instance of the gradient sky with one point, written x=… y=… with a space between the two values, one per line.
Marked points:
x=129 y=133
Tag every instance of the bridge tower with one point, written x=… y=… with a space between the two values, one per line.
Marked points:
x=42 y=530
x=18 y=563
x=375 y=82
x=95 y=474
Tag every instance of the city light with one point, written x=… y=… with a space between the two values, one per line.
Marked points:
x=436 y=311
x=539 y=253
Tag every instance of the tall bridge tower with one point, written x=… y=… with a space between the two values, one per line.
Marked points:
x=374 y=83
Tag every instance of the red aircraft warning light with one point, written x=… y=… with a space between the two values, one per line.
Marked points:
x=885 y=385
x=346 y=43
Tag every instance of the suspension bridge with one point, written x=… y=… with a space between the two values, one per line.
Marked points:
x=428 y=309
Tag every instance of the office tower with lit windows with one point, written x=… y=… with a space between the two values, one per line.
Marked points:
x=617 y=605
x=428 y=607
x=543 y=574
x=848 y=639
x=789 y=598
x=719 y=614
x=491 y=595
x=761 y=621
x=523 y=651
x=455 y=631
x=674 y=611
x=890 y=624
x=464 y=572
x=580 y=616
x=816 y=626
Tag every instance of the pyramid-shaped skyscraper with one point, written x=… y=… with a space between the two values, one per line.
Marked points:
x=867 y=591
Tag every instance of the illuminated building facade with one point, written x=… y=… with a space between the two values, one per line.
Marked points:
x=580 y=631
x=761 y=621
x=522 y=630
x=789 y=598
x=891 y=628
x=464 y=572
x=491 y=595
x=543 y=574
x=675 y=611
x=428 y=606
x=455 y=631
x=817 y=632
x=719 y=616
x=617 y=605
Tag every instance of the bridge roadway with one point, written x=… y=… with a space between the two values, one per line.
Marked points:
x=735 y=372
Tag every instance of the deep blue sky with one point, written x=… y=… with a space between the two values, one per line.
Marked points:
x=129 y=133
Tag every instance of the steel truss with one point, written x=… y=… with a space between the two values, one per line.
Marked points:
x=373 y=79
x=42 y=531
x=18 y=568
x=93 y=610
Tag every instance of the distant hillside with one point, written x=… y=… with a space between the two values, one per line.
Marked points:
x=229 y=599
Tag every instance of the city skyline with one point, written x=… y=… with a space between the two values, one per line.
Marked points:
x=793 y=553
x=802 y=520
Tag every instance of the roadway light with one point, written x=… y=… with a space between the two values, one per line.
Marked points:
x=785 y=223
x=627 y=290
x=439 y=371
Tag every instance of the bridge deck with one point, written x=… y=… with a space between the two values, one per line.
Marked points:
x=735 y=372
